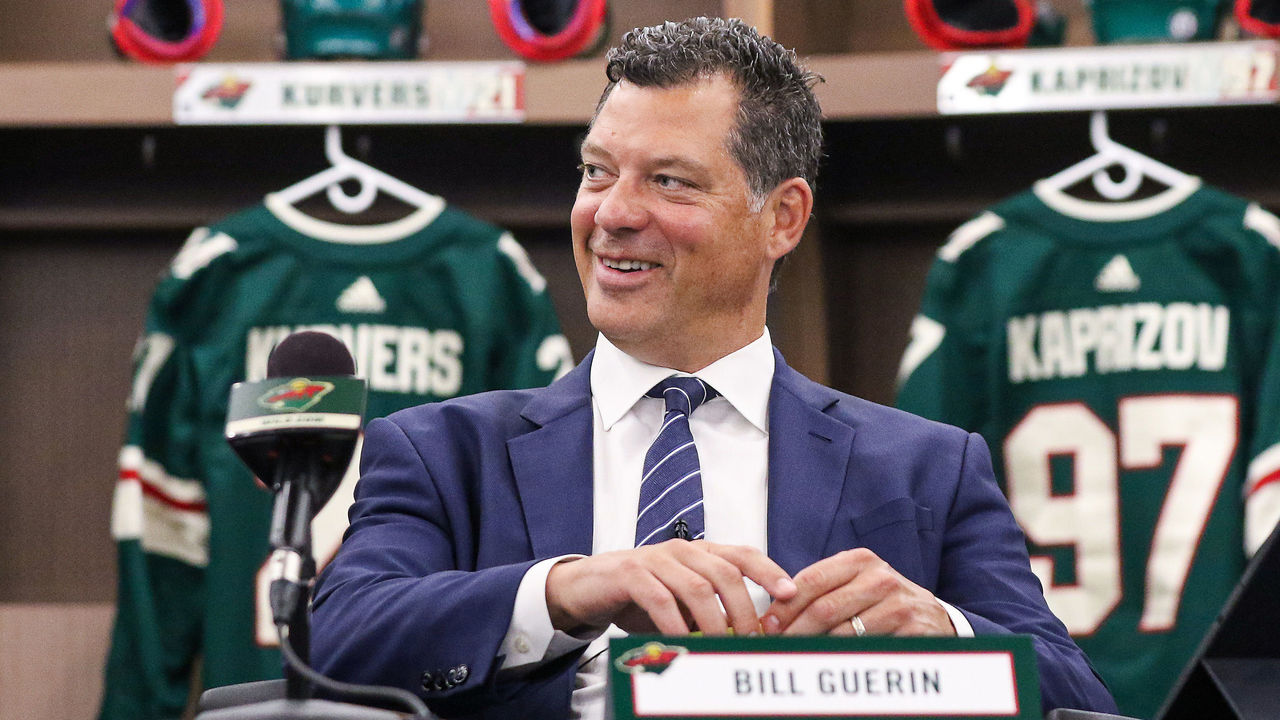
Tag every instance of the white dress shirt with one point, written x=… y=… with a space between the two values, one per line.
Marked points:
x=731 y=433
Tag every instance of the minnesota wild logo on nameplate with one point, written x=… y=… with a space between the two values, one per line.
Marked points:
x=810 y=677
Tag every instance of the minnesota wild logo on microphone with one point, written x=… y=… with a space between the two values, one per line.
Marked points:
x=295 y=402
x=297 y=395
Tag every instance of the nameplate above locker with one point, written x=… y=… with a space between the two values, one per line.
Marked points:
x=1110 y=77
x=302 y=93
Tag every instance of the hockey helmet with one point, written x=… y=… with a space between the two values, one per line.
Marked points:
x=334 y=29
x=165 y=31
x=1128 y=21
x=1260 y=17
x=549 y=30
x=958 y=24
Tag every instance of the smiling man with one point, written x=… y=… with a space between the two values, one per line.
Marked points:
x=682 y=477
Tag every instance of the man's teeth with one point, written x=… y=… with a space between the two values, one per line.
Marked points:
x=629 y=265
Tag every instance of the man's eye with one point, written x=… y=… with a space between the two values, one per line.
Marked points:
x=590 y=171
x=670 y=183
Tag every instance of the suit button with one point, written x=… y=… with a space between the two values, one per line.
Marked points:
x=459 y=675
x=428 y=681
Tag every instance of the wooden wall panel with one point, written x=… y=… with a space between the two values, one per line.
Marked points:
x=51 y=657
x=72 y=309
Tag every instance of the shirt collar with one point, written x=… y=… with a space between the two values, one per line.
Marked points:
x=744 y=377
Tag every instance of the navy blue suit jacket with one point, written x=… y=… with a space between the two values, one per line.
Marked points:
x=458 y=499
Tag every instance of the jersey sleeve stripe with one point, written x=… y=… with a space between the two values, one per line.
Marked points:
x=159 y=495
x=1264 y=470
x=1264 y=223
x=1264 y=481
x=968 y=235
x=175 y=490
x=926 y=336
x=508 y=246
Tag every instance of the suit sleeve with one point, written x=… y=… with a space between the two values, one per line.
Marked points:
x=985 y=572
x=408 y=601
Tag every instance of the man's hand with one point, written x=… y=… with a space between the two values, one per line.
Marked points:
x=667 y=588
x=857 y=582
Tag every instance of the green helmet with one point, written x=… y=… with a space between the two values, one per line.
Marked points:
x=335 y=29
x=1128 y=21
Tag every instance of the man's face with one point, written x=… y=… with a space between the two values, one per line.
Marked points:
x=672 y=258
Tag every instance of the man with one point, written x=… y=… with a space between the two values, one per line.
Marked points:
x=494 y=537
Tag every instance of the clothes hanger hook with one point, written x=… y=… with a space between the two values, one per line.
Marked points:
x=363 y=198
x=1102 y=142
x=1118 y=190
x=333 y=146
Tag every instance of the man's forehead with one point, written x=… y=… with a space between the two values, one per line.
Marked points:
x=697 y=96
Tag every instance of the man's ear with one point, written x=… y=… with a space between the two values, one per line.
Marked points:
x=790 y=205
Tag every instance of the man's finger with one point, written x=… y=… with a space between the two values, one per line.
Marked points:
x=685 y=576
x=757 y=566
x=834 y=610
x=814 y=582
x=728 y=582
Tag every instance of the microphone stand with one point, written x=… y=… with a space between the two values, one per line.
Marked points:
x=290 y=536
x=293 y=570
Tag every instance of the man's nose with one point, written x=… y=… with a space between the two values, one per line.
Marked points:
x=623 y=207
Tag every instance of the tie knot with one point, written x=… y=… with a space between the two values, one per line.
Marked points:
x=682 y=394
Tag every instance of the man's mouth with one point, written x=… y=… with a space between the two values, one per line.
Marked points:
x=628 y=265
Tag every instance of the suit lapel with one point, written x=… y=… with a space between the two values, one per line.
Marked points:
x=553 y=466
x=808 y=459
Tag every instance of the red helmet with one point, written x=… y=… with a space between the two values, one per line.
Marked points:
x=165 y=31
x=959 y=24
x=1260 y=17
x=547 y=29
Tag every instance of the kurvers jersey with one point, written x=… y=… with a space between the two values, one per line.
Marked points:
x=435 y=305
x=1123 y=363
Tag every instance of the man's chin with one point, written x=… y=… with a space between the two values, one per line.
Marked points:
x=627 y=331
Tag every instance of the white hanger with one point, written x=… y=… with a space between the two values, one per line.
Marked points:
x=1109 y=152
x=372 y=181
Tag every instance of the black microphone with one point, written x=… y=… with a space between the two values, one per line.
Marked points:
x=297 y=431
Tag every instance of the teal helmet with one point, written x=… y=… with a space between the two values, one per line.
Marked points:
x=337 y=29
x=1130 y=21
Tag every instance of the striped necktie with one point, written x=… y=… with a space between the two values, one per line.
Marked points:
x=671 y=484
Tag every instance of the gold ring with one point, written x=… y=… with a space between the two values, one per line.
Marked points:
x=858 y=628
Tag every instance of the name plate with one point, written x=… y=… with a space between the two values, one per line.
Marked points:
x=786 y=677
x=1110 y=77
x=311 y=93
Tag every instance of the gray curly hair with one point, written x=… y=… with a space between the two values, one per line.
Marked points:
x=778 y=134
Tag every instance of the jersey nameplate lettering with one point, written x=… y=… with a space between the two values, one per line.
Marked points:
x=392 y=359
x=1117 y=338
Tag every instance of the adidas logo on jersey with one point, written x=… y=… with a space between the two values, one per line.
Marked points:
x=1117 y=276
x=361 y=297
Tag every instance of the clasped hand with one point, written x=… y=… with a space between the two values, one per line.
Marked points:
x=675 y=587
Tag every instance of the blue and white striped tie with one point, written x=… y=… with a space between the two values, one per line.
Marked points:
x=671 y=487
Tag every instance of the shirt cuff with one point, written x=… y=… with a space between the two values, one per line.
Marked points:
x=530 y=638
x=961 y=623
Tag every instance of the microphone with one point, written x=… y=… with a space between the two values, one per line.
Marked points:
x=297 y=431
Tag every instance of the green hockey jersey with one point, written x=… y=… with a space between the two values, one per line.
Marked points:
x=435 y=305
x=1123 y=363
